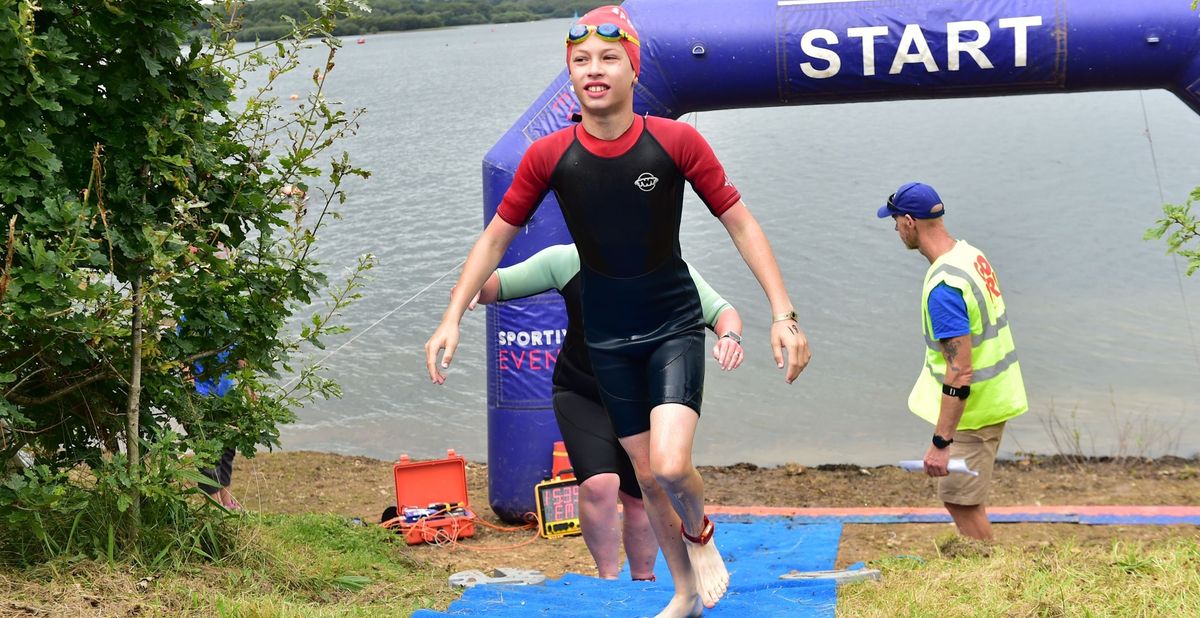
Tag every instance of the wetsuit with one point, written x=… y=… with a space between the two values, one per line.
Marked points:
x=622 y=201
x=586 y=428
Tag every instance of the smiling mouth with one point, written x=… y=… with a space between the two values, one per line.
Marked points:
x=596 y=88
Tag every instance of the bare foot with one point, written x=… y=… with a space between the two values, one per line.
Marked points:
x=711 y=576
x=682 y=607
x=228 y=501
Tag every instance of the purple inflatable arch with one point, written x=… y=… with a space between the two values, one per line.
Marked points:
x=723 y=54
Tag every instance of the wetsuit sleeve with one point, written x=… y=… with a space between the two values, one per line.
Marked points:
x=948 y=312
x=529 y=186
x=711 y=302
x=695 y=158
x=548 y=269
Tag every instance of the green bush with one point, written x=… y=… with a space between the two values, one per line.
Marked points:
x=135 y=194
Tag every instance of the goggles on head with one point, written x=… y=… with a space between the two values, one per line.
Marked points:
x=607 y=32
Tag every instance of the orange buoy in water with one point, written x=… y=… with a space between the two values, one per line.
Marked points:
x=361 y=41
x=294 y=97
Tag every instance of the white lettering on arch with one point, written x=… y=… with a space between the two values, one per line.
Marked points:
x=913 y=37
x=820 y=53
x=955 y=46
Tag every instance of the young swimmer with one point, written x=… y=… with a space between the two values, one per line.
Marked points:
x=603 y=468
x=619 y=180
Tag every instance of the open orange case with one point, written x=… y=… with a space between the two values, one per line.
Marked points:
x=437 y=481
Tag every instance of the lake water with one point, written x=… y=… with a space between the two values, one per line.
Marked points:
x=1056 y=189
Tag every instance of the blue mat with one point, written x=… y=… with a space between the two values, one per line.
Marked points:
x=1006 y=518
x=757 y=550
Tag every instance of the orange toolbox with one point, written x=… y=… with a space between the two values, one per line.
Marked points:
x=431 y=499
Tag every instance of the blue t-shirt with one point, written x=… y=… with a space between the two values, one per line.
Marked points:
x=208 y=387
x=948 y=312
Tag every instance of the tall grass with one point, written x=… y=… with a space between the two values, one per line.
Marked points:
x=1065 y=580
x=280 y=565
x=1138 y=436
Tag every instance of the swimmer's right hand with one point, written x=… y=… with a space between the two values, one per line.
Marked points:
x=444 y=338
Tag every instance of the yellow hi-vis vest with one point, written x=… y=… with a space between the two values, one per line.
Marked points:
x=997 y=389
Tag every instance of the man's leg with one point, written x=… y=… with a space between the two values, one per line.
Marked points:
x=641 y=550
x=672 y=429
x=598 y=517
x=665 y=524
x=971 y=520
x=965 y=497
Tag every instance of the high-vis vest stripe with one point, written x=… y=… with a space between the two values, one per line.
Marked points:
x=997 y=388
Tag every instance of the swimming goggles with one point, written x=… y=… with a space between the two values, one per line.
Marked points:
x=607 y=32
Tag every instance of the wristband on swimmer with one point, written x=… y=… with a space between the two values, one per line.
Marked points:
x=962 y=392
x=783 y=317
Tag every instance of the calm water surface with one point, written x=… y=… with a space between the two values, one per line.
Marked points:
x=1057 y=190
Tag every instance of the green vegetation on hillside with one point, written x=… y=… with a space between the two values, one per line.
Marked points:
x=265 y=19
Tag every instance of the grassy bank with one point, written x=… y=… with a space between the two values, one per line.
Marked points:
x=297 y=555
x=286 y=565
x=308 y=565
x=1161 y=578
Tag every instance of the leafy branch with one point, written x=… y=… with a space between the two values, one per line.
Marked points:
x=1184 y=230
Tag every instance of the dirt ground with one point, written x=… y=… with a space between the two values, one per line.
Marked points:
x=297 y=482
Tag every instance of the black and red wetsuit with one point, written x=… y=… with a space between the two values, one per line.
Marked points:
x=622 y=201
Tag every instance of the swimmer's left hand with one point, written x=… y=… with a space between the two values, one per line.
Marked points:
x=728 y=353
x=787 y=338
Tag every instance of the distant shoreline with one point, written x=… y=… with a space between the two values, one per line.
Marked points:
x=1044 y=460
x=263 y=20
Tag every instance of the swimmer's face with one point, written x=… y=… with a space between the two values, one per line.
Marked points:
x=602 y=76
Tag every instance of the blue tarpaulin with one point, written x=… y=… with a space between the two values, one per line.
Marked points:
x=757 y=550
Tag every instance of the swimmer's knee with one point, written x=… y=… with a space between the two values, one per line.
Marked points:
x=672 y=471
x=600 y=488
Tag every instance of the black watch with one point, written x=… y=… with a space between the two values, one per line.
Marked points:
x=734 y=336
x=940 y=442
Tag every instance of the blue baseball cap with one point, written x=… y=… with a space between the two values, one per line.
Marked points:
x=915 y=199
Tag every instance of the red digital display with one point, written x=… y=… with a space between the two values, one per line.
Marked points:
x=560 y=502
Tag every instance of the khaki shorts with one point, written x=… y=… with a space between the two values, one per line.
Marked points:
x=978 y=447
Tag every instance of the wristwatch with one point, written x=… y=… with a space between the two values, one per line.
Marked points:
x=940 y=442
x=734 y=336
x=780 y=317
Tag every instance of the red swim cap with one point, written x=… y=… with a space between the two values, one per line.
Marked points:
x=617 y=16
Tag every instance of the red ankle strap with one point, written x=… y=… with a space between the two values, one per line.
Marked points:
x=652 y=578
x=706 y=532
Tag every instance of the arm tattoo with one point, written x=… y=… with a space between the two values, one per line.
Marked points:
x=795 y=329
x=950 y=352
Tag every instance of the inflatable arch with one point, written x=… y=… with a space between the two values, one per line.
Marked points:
x=723 y=54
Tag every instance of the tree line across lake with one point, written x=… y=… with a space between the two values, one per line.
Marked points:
x=263 y=19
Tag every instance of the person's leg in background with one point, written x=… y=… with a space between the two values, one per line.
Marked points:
x=641 y=548
x=222 y=476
